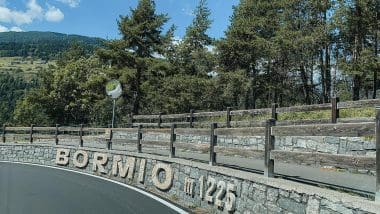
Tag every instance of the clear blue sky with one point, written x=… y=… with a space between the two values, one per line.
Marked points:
x=98 y=17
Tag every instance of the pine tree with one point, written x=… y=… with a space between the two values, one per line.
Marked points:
x=249 y=46
x=194 y=58
x=130 y=58
x=357 y=23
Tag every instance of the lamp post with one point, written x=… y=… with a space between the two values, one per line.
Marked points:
x=113 y=89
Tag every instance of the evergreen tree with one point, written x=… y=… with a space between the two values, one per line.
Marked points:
x=357 y=23
x=249 y=46
x=194 y=56
x=133 y=55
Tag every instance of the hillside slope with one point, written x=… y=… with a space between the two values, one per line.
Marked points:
x=44 y=45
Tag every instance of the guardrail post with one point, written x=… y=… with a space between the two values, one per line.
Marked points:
x=173 y=138
x=269 y=146
x=159 y=119
x=213 y=141
x=81 y=135
x=334 y=109
x=377 y=193
x=31 y=133
x=274 y=111
x=191 y=119
x=4 y=132
x=228 y=117
x=56 y=133
x=109 y=143
x=139 y=138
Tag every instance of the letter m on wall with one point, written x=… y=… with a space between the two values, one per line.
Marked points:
x=123 y=169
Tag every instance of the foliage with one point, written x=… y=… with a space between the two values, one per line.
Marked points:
x=288 y=52
x=11 y=89
x=133 y=58
x=45 y=45
x=67 y=95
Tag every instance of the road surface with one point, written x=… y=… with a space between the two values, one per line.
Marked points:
x=40 y=190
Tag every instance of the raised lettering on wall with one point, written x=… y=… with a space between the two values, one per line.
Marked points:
x=62 y=157
x=77 y=162
x=168 y=180
x=142 y=170
x=123 y=170
x=99 y=162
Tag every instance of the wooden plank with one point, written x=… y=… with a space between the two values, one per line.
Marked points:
x=241 y=152
x=10 y=137
x=68 y=137
x=181 y=124
x=252 y=123
x=52 y=129
x=69 y=129
x=18 y=129
x=338 y=130
x=358 y=104
x=125 y=130
x=43 y=136
x=145 y=117
x=257 y=131
x=203 y=148
x=269 y=146
x=356 y=120
x=175 y=116
x=145 y=124
x=302 y=122
x=192 y=131
x=173 y=137
x=252 y=112
x=316 y=107
x=154 y=131
x=210 y=114
x=323 y=159
x=156 y=143
x=87 y=129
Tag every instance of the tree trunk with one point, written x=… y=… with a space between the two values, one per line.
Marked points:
x=136 y=104
x=376 y=69
x=322 y=66
x=327 y=92
x=306 y=88
x=356 y=88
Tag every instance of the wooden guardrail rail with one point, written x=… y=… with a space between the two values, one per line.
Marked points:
x=270 y=155
x=193 y=118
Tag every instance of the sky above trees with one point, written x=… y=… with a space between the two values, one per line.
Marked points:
x=98 y=17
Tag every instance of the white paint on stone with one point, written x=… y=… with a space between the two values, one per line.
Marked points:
x=188 y=186
x=142 y=170
x=168 y=180
x=77 y=162
x=123 y=169
x=62 y=157
x=99 y=162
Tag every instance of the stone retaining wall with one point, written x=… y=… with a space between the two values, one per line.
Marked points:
x=331 y=145
x=238 y=191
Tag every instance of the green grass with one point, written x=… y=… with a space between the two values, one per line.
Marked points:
x=23 y=67
x=326 y=114
x=312 y=115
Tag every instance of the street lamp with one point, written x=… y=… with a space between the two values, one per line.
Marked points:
x=113 y=89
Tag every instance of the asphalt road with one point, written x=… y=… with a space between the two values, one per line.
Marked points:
x=39 y=190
